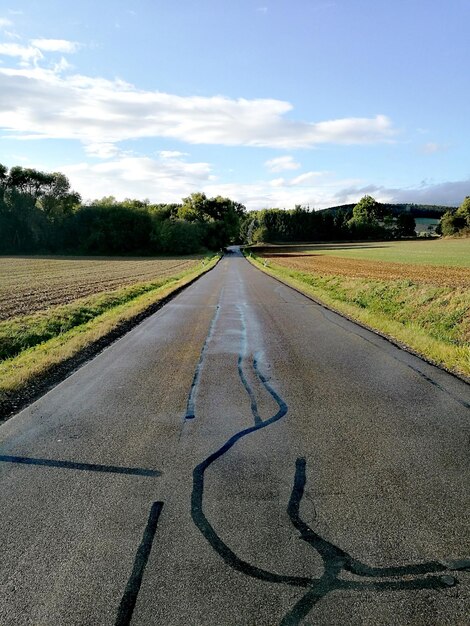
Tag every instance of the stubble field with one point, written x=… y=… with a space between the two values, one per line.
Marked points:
x=56 y=312
x=30 y=284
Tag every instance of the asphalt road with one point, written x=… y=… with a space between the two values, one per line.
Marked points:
x=244 y=456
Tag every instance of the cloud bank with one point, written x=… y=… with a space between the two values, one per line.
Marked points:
x=48 y=103
x=449 y=193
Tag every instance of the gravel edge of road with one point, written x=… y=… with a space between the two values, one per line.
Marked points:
x=40 y=385
x=375 y=331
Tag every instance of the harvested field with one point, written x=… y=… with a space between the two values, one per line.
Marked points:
x=441 y=252
x=425 y=306
x=65 y=310
x=31 y=284
x=357 y=268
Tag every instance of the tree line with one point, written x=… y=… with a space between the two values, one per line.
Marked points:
x=368 y=219
x=395 y=208
x=41 y=214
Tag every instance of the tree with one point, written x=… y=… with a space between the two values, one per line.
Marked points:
x=463 y=211
x=39 y=212
x=58 y=200
x=364 y=222
x=221 y=216
x=194 y=208
x=105 y=201
x=3 y=175
x=406 y=225
x=366 y=210
x=180 y=237
x=453 y=222
x=32 y=204
x=260 y=235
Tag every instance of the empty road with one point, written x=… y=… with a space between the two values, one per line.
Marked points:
x=246 y=457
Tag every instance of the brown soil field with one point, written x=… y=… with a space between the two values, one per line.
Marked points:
x=381 y=270
x=29 y=284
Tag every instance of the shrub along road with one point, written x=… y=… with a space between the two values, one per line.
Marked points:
x=243 y=456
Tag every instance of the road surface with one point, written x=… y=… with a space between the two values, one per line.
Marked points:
x=246 y=457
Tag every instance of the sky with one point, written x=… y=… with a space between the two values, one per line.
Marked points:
x=272 y=103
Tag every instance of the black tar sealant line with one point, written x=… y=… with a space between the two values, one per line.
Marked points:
x=86 y=467
x=335 y=560
x=197 y=511
x=129 y=599
x=190 y=410
x=203 y=523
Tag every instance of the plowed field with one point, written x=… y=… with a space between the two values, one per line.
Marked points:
x=356 y=268
x=29 y=284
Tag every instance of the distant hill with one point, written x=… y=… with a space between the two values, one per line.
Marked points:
x=416 y=210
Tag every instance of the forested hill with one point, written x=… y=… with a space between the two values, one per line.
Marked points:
x=416 y=210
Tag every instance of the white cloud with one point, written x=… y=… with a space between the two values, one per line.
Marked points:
x=62 y=65
x=301 y=180
x=432 y=147
x=56 y=45
x=170 y=179
x=5 y=22
x=42 y=103
x=11 y=35
x=161 y=180
x=26 y=53
x=279 y=164
x=262 y=194
x=101 y=150
x=307 y=177
x=171 y=154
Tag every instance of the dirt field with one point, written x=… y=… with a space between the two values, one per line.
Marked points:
x=29 y=284
x=382 y=270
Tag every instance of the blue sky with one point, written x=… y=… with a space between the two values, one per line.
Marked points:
x=272 y=103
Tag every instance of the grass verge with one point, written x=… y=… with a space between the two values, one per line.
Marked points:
x=39 y=350
x=433 y=321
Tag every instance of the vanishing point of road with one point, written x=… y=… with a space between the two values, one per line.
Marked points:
x=242 y=457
